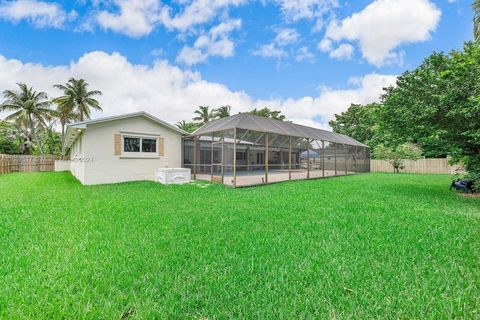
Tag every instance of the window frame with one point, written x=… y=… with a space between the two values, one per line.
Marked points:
x=141 y=153
x=155 y=145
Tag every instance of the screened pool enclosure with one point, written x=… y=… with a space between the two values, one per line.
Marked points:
x=246 y=150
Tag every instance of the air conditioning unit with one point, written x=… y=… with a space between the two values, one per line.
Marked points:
x=173 y=175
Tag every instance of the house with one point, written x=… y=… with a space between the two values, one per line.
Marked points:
x=240 y=150
x=122 y=148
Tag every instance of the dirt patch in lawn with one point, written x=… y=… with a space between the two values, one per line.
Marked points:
x=471 y=195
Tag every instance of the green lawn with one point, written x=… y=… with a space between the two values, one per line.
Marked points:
x=373 y=245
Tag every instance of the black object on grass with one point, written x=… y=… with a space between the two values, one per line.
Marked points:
x=465 y=185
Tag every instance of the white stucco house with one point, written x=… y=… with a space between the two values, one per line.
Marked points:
x=122 y=148
x=239 y=150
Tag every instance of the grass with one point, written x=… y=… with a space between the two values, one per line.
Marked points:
x=365 y=246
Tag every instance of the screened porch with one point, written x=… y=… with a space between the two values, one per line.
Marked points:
x=246 y=150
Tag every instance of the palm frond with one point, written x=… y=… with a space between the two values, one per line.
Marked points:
x=15 y=116
x=9 y=106
x=93 y=93
x=476 y=20
x=60 y=87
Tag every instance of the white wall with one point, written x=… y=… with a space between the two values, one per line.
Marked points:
x=77 y=153
x=102 y=166
x=62 y=165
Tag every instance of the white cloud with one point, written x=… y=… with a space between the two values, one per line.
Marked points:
x=270 y=51
x=157 y=52
x=136 y=18
x=275 y=49
x=197 y=12
x=173 y=94
x=40 y=14
x=163 y=90
x=325 y=45
x=286 y=36
x=214 y=43
x=331 y=101
x=386 y=24
x=344 y=51
x=294 y=10
x=304 y=54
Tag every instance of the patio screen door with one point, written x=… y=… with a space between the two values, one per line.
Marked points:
x=217 y=161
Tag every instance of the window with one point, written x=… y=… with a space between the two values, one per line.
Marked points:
x=260 y=158
x=149 y=145
x=138 y=144
x=131 y=144
x=241 y=155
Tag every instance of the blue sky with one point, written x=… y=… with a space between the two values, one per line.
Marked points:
x=309 y=58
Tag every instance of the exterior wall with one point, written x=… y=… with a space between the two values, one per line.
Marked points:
x=61 y=165
x=77 y=153
x=105 y=167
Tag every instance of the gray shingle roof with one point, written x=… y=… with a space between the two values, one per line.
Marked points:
x=263 y=124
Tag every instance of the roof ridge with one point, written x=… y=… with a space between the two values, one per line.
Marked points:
x=252 y=122
x=127 y=115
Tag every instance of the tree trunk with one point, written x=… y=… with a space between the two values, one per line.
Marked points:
x=63 y=138
x=34 y=133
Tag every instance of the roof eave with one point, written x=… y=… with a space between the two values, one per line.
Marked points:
x=73 y=129
x=130 y=115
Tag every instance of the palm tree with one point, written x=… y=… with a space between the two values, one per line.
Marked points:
x=65 y=114
x=187 y=126
x=24 y=137
x=223 y=112
x=30 y=108
x=77 y=98
x=204 y=114
x=476 y=20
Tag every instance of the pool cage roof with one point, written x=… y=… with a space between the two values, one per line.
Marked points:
x=263 y=124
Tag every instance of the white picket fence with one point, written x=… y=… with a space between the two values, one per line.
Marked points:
x=418 y=166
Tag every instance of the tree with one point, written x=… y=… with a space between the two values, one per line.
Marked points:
x=29 y=106
x=412 y=110
x=204 y=114
x=267 y=112
x=476 y=20
x=24 y=135
x=51 y=140
x=398 y=154
x=359 y=122
x=187 y=126
x=437 y=106
x=222 y=112
x=77 y=98
x=65 y=114
x=460 y=128
x=8 y=139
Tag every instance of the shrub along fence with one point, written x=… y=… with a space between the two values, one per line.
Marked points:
x=27 y=163
x=418 y=166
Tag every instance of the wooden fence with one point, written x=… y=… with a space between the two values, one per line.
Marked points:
x=419 y=166
x=27 y=163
